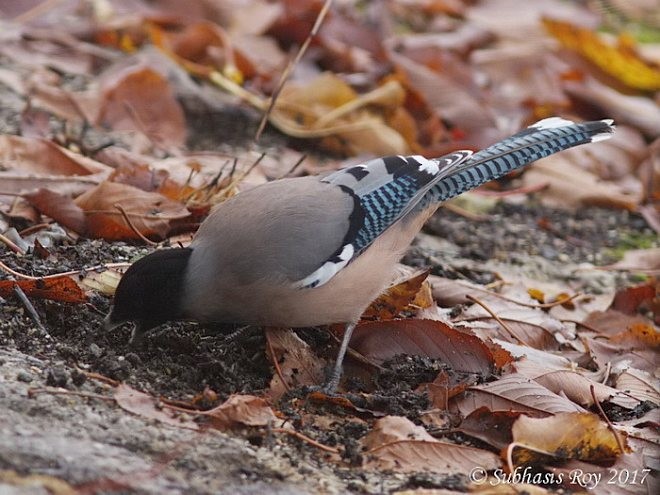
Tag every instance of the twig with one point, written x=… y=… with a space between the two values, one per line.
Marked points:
x=278 y=370
x=287 y=71
x=306 y=439
x=497 y=318
x=23 y=276
x=100 y=378
x=295 y=166
x=11 y=245
x=33 y=228
x=619 y=443
x=132 y=227
x=20 y=294
x=559 y=302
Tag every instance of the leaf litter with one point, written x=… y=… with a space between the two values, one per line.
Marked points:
x=132 y=128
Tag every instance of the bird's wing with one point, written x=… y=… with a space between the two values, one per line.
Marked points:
x=386 y=189
x=383 y=191
x=537 y=141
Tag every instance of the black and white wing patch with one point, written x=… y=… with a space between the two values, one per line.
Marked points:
x=383 y=191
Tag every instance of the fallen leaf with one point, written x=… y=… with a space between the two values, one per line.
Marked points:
x=147 y=406
x=382 y=340
x=398 y=444
x=639 y=384
x=564 y=436
x=299 y=365
x=241 y=410
x=639 y=260
x=411 y=291
x=60 y=208
x=140 y=99
x=513 y=392
x=622 y=61
x=492 y=427
x=575 y=385
x=569 y=186
x=63 y=289
x=150 y=213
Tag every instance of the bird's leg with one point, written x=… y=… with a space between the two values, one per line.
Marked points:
x=333 y=380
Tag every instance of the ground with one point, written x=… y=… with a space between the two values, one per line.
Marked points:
x=93 y=444
x=57 y=419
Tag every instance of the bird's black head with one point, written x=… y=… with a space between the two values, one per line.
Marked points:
x=150 y=291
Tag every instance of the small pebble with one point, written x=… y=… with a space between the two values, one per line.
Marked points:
x=24 y=376
x=57 y=376
x=95 y=350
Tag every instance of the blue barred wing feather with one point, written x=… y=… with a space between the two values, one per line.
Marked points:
x=537 y=141
x=383 y=191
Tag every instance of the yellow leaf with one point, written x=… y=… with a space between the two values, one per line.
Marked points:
x=622 y=61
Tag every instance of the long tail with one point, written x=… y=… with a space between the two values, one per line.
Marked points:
x=539 y=140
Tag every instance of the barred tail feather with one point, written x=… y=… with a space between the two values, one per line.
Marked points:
x=539 y=140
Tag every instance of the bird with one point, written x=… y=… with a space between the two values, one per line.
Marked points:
x=317 y=250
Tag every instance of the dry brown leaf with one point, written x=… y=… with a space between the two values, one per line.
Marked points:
x=397 y=298
x=398 y=444
x=150 y=213
x=569 y=186
x=639 y=384
x=639 y=260
x=513 y=392
x=382 y=340
x=575 y=385
x=141 y=99
x=147 y=406
x=299 y=365
x=449 y=293
x=241 y=410
x=60 y=208
x=639 y=112
x=63 y=289
x=574 y=435
x=629 y=475
x=492 y=427
x=328 y=107
x=104 y=282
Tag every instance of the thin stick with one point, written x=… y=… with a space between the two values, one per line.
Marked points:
x=497 y=318
x=295 y=166
x=306 y=439
x=33 y=228
x=11 y=245
x=521 y=303
x=619 y=443
x=278 y=370
x=287 y=71
x=132 y=227
x=23 y=276
x=101 y=378
x=20 y=294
